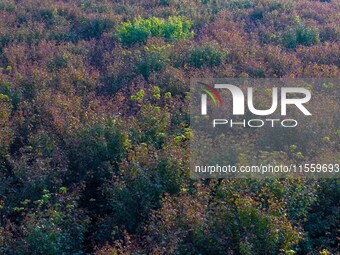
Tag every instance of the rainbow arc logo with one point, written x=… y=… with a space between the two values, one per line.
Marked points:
x=213 y=94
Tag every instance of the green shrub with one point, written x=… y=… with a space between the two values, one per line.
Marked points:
x=153 y=58
x=307 y=36
x=174 y=28
x=289 y=39
x=52 y=226
x=96 y=146
x=207 y=55
x=301 y=35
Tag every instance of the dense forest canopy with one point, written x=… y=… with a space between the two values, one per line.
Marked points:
x=94 y=127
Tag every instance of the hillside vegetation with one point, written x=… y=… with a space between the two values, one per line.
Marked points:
x=94 y=127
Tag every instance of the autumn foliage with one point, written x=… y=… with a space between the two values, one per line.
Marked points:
x=94 y=127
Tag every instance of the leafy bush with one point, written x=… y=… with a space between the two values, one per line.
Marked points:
x=174 y=28
x=92 y=149
x=153 y=58
x=301 y=35
x=208 y=55
x=51 y=225
x=307 y=36
x=143 y=174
